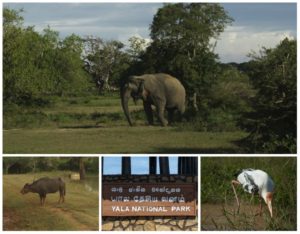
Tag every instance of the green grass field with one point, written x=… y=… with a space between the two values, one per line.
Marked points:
x=24 y=212
x=96 y=124
x=124 y=139
x=218 y=205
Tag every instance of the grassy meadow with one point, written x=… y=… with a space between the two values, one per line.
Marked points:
x=96 y=124
x=24 y=212
x=218 y=205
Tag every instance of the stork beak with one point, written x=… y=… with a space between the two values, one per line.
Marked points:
x=268 y=200
x=269 y=203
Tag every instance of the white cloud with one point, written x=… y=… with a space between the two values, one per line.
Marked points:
x=71 y=22
x=237 y=42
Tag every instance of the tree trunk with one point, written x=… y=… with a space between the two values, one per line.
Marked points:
x=152 y=165
x=126 y=166
x=195 y=166
x=81 y=169
x=179 y=170
x=164 y=165
x=188 y=166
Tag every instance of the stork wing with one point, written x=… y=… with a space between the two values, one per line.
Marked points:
x=250 y=186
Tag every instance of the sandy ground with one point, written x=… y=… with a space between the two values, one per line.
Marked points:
x=225 y=217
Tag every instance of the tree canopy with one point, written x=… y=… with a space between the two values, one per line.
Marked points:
x=182 y=45
x=16 y=165
x=37 y=64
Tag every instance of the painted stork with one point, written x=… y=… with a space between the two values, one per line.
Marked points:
x=255 y=181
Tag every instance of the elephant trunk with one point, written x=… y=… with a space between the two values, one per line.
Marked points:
x=125 y=95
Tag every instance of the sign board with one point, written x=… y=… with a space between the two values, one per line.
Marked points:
x=149 y=199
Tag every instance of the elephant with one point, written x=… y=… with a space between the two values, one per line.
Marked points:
x=161 y=90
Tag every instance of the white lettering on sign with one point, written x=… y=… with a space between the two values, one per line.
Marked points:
x=137 y=189
x=165 y=190
x=120 y=208
x=150 y=209
x=180 y=208
x=150 y=199
x=147 y=198
x=115 y=190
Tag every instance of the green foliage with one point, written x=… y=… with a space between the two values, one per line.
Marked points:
x=223 y=106
x=182 y=36
x=104 y=60
x=91 y=164
x=35 y=65
x=181 y=46
x=273 y=121
x=137 y=47
x=17 y=165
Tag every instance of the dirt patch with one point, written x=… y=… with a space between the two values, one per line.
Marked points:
x=71 y=219
x=10 y=220
x=226 y=217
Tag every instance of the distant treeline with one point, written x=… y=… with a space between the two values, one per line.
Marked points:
x=258 y=96
x=19 y=165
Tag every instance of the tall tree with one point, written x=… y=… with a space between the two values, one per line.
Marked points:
x=137 y=47
x=273 y=121
x=182 y=35
x=101 y=58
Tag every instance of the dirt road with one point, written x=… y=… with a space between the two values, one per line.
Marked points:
x=225 y=217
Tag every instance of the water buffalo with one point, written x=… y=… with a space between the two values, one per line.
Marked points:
x=46 y=185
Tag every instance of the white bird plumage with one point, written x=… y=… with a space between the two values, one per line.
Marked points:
x=255 y=181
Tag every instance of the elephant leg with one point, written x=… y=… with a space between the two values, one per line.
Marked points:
x=171 y=115
x=149 y=113
x=161 y=117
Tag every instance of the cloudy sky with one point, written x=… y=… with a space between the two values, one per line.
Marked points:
x=139 y=165
x=255 y=25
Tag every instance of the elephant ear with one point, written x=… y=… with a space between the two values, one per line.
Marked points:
x=142 y=91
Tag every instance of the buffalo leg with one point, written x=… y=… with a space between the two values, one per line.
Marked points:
x=41 y=199
x=61 y=197
x=44 y=198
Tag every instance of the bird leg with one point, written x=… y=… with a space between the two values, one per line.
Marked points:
x=252 y=196
x=235 y=182
x=260 y=206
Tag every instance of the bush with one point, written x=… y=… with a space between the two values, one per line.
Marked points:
x=273 y=122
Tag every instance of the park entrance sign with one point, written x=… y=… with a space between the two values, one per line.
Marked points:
x=149 y=199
